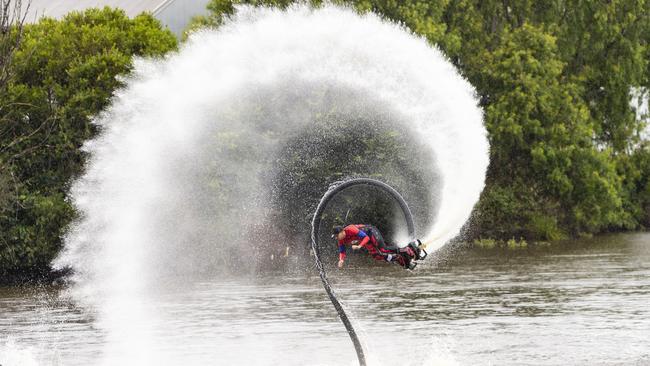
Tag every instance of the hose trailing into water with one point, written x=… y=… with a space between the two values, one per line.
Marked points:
x=333 y=190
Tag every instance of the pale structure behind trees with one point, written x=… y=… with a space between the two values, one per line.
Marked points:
x=639 y=101
x=173 y=14
x=12 y=17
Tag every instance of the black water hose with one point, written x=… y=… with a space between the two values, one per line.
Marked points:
x=333 y=190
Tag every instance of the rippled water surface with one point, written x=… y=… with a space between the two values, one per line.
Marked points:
x=576 y=303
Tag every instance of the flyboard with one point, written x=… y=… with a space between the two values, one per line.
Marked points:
x=414 y=244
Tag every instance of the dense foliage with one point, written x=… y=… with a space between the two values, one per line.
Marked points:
x=62 y=73
x=555 y=79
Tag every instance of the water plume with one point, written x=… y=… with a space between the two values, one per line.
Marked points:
x=197 y=152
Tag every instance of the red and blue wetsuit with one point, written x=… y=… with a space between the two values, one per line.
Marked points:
x=360 y=234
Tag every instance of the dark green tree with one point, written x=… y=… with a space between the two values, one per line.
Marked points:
x=62 y=74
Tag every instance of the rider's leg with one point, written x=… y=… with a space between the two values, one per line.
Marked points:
x=384 y=255
x=379 y=241
x=398 y=258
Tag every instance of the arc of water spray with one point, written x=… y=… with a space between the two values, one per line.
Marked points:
x=318 y=63
x=315 y=227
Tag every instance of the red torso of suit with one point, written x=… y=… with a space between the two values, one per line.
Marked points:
x=354 y=233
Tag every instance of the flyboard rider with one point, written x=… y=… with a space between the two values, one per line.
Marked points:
x=360 y=236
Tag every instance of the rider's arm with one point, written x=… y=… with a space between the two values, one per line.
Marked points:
x=363 y=237
x=341 y=252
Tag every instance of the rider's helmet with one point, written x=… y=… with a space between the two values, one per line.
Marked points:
x=336 y=230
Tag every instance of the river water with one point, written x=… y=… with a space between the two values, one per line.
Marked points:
x=584 y=302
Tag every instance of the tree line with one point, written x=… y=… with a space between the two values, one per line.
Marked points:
x=559 y=80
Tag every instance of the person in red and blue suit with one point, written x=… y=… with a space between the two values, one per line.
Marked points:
x=368 y=237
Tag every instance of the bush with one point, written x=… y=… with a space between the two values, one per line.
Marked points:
x=62 y=74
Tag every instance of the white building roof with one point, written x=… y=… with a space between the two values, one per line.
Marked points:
x=58 y=8
x=175 y=14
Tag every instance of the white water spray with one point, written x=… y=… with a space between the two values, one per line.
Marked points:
x=179 y=177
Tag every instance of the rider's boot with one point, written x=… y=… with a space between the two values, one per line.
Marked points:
x=418 y=249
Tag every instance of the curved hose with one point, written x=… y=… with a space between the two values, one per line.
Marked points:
x=333 y=190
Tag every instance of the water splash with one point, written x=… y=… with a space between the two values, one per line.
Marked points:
x=182 y=181
x=12 y=354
